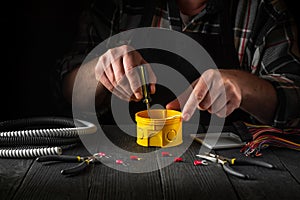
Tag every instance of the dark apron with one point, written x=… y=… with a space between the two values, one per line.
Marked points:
x=220 y=47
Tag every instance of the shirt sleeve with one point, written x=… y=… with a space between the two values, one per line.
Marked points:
x=87 y=38
x=94 y=26
x=280 y=65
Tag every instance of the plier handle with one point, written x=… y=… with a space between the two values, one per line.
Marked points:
x=63 y=158
x=227 y=162
x=84 y=162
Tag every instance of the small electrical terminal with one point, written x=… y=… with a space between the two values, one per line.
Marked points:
x=121 y=162
x=135 y=158
x=165 y=154
x=178 y=159
x=200 y=162
x=102 y=155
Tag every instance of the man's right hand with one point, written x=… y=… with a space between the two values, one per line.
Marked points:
x=116 y=71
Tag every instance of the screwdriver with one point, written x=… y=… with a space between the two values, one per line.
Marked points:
x=145 y=86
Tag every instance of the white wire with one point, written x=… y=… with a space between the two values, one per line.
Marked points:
x=30 y=153
x=88 y=128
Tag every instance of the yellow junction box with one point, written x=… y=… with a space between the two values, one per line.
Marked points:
x=159 y=128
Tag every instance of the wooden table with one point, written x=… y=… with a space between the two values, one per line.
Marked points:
x=28 y=179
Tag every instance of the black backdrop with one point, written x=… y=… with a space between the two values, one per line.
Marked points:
x=35 y=33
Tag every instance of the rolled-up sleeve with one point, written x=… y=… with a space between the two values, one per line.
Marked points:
x=280 y=65
x=87 y=39
x=288 y=94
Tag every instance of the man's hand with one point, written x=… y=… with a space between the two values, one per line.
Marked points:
x=116 y=71
x=220 y=92
x=214 y=91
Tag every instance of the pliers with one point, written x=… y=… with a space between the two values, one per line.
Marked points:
x=227 y=162
x=84 y=161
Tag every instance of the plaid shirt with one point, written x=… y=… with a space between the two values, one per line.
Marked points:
x=264 y=37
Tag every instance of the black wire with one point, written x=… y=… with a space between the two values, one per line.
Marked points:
x=36 y=122
x=18 y=141
x=23 y=146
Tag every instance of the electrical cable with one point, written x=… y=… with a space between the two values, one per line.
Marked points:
x=17 y=141
x=83 y=127
x=30 y=153
x=265 y=136
x=30 y=140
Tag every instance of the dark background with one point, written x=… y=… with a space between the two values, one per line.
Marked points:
x=35 y=34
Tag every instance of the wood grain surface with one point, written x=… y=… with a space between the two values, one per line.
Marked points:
x=28 y=179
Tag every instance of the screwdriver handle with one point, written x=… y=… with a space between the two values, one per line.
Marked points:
x=145 y=85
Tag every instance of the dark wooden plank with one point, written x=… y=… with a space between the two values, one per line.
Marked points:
x=44 y=181
x=185 y=181
x=12 y=173
x=108 y=183
x=266 y=183
x=176 y=181
x=290 y=160
x=117 y=181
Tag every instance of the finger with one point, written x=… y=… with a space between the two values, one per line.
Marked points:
x=130 y=62
x=231 y=106
x=226 y=110
x=112 y=81
x=112 y=59
x=110 y=68
x=135 y=83
x=216 y=91
x=152 y=88
x=222 y=113
x=232 y=99
x=215 y=98
x=195 y=98
x=205 y=103
x=105 y=81
x=218 y=104
x=99 y=71
x=151 y=77
x=109 y=57
x=121 y=79
x=121 y=95
x=103 y=72
x=110 y=74
x=178 y=103
x=173 y=105
x=232 y=102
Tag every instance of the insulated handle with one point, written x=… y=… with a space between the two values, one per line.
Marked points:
x=65 y=158
x=76 y=169
x=254 y=162
x=231 y=171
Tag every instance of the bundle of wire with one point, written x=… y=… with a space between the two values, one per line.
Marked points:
x=35 y=140
x=265 y=136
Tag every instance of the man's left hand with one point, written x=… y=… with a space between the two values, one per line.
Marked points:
x=217 y=91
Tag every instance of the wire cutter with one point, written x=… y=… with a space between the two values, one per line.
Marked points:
x=84 y=161
x=227 y=162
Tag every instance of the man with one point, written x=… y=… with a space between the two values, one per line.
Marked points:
x=252 y=42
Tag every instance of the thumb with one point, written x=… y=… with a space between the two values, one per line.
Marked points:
x=178 y=103
x=173 y=105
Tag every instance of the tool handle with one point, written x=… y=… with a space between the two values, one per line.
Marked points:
x=145 y=83
x=254 y=162
x=76 y=169
x=66 y=158
x=231 y=171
